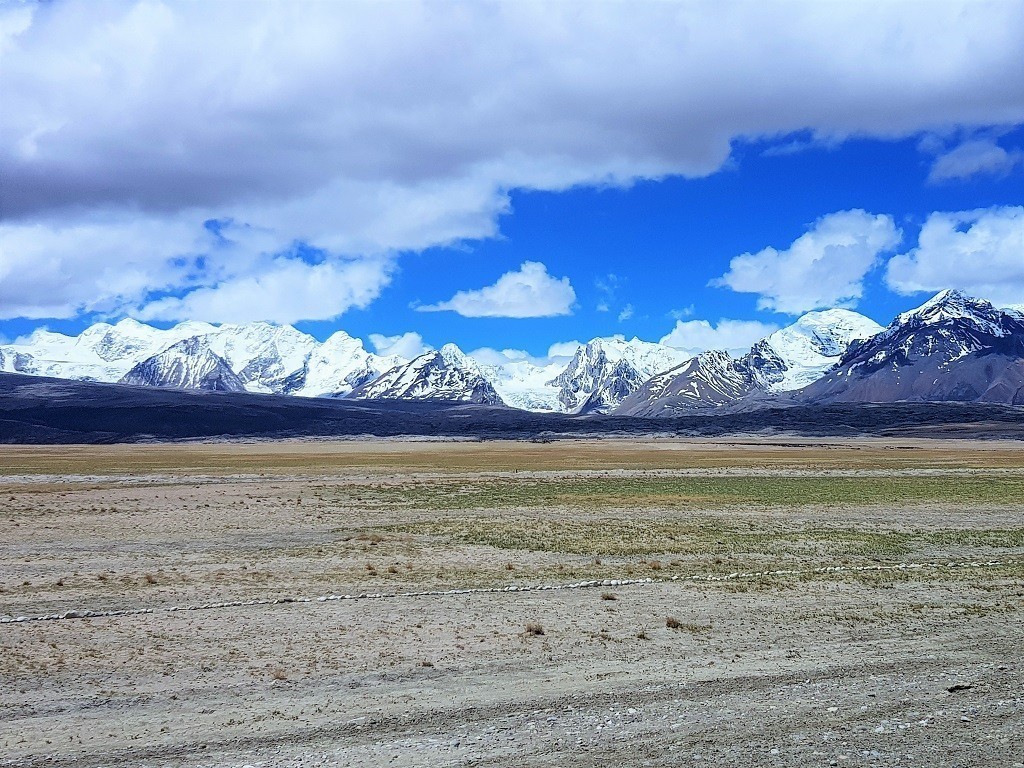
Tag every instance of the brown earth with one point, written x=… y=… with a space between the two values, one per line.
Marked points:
x=885 y=666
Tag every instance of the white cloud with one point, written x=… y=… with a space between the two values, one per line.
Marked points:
x=975 y=157
x=285 y=291
x=407 y=345
x=824 y=267
x=366 y=128
x=530 y=292
x=563 y=348
x=735 y=336
x=626 y=313
x=980 y=252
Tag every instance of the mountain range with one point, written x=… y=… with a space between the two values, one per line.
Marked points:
x=952 y=348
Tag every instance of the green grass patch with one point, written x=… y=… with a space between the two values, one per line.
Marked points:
x=688 y=492
x=624 y=537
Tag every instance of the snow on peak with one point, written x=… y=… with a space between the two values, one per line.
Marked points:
x=446 y=374
x=947 y=305
x=798 y=354
x=451 y=355
x=954 y=307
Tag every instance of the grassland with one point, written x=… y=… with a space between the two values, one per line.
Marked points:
x=387 y=680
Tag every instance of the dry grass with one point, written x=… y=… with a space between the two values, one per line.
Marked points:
x=327 y=458
x=534 y=629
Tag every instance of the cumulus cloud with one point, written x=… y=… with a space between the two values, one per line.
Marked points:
x=530 y=292
x=284 y=291
x=824 y=267
x=365 y=129
x=407 y=345
x=990 y=240
x=735 y=336
x=626 y=313
x=973 y=158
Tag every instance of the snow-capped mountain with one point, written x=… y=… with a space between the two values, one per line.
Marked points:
x=102 y=352
x=605 y=371
x=340 y=364
x=189 y=364
x=445 y=374
x=264 y=357
x=711 y=379
x=800 y=353
x=785 y=360
x=952 y=347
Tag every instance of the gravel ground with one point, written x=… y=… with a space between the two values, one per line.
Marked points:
x=900 y=669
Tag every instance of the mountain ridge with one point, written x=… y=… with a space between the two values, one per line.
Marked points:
x=969 y=348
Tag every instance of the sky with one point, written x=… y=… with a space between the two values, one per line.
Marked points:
x=507 y=176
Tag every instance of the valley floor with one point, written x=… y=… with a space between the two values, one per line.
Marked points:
x=714 y=602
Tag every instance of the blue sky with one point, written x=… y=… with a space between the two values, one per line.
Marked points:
x=367 y=173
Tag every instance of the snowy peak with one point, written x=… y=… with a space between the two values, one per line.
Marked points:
x=446 y=374
x=953 y=307
x=800 y=353
x=785 y=360
x=605 y=371
x=266 y=357
x=949 y=326
x=450 y=355
x=952 y=348
x=341 y=364
x=189 y=364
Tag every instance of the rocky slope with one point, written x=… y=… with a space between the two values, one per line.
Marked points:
x=952 y=348
x=189 y=364
x=446 y=374
x=785 y=360
x=605 y=371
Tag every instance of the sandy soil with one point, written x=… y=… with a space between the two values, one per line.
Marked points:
x=883 y=667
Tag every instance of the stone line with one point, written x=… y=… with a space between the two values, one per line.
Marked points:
x=89 y=614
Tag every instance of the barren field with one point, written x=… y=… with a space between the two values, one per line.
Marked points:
x=608 y=602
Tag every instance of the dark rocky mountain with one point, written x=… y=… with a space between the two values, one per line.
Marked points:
x=952 y=348
x=710 y=380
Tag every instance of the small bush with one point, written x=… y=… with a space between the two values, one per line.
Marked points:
x=608 y=596
x=278 y=674
x=673 y=623
x=534 y=628
x=150 y=578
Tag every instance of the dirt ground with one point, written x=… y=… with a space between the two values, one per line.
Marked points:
x=715 y=602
